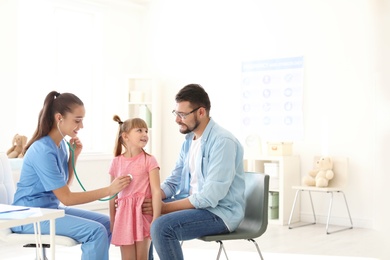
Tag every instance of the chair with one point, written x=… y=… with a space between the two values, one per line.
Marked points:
x=7 y=190
x=336 y=185
x=255 y=220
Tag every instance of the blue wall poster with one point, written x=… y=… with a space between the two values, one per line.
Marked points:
x=272 y=99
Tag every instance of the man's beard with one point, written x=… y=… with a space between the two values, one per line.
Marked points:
x=189 y=130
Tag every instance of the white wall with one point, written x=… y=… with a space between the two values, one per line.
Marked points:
x=28 y=63
x=205 y=41
x=343 y=43
x=8 y=72
x=25 y=29
x=382 y=121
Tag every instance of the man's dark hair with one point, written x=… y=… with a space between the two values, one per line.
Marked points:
x=196 y=95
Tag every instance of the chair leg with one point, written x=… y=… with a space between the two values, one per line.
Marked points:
x=40 y=250
x=330 y=211
x=293 y=208
x=40 y=253
x=44 y=257
x=257 y=247
x=221 y=247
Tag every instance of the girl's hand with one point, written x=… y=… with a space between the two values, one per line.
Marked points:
x=76 y=145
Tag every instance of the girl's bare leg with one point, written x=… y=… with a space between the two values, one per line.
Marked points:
x=128 y=252
x=142 y=249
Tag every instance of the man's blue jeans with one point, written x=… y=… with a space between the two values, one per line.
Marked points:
x=170 y=229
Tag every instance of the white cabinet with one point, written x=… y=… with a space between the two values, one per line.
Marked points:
x=287 y=175
x=143 y=100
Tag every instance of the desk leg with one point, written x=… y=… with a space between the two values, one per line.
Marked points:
x=38 y=242
x=52 y=238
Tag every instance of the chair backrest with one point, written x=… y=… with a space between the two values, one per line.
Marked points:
x=340 y=169
x=7 y=186
x=256 y=197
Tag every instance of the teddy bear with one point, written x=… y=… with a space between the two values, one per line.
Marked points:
x=321 y=174
x=18 y=143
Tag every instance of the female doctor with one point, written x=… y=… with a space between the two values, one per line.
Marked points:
x=47 y=173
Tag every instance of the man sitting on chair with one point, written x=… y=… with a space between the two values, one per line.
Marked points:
x=206 y=188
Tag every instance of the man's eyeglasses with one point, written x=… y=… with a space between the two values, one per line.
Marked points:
x=183 y=115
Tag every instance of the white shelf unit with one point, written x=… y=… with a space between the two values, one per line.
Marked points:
x=288 y=176
x=143 y=101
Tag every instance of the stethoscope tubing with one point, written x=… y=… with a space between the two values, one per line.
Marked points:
x=77 y=177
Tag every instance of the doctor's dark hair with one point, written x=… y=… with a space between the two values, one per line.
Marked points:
x=125 y=127
x=54 y=103
x=196 y=95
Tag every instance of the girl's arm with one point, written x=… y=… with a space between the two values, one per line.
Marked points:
x=112 y=208
x=154 y=177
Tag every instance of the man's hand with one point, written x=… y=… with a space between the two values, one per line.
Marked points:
x=147 y=207
x=176 y=205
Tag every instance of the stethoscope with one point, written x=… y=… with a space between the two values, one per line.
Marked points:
x=71 y=148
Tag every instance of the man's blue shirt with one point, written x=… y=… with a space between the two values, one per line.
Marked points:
x=221 y=183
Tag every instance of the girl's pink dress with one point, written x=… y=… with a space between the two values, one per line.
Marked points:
x=130 y=224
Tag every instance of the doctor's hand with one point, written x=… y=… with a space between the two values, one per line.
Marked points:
x=118 y=184
x=76 y=144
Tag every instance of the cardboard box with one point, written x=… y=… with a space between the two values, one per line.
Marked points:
x=278 y=149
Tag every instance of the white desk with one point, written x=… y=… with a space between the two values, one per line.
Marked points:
x=39 y=214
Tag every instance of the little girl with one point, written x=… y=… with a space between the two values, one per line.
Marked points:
x=130 y=228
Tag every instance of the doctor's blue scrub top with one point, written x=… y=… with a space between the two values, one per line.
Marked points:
x=44 y=169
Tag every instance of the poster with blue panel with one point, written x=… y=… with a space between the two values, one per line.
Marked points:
x=272 y=100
